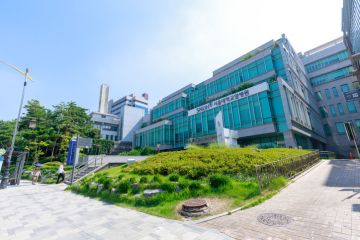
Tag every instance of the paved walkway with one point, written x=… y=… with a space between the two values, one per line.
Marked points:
x=45 y=212
x=323 y=204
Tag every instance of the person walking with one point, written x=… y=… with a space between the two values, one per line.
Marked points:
x=35 y=175
x=61 y=174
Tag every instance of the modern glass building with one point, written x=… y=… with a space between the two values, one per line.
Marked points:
x=263 y=97
x=331 y=74
x=351 y=30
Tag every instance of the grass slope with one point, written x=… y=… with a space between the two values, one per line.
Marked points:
x=222 y=173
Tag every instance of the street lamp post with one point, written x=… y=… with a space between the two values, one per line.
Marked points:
x=5 y=179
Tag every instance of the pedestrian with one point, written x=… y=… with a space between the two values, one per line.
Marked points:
x=351 y=156
x=35 y=175
x=61 y=174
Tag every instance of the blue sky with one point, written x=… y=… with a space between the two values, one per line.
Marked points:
x=157 y=46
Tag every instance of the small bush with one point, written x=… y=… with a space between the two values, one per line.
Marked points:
x=105 y=181
x=184 y=184
x=194 y=186
x=156 y=178
x=132 y=179
x=218 y=180
x=121 y=176
x=143 y=179
x=168 y=186
x=124 y=186
x=174 y=177
x=277 y=183
x=153 y=185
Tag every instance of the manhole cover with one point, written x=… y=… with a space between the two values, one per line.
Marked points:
x=274 y=219
x=195 y=203
x=194 y=208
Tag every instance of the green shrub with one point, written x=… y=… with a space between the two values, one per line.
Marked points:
x=156 y=178
x=147 y=151
x=143 y=179
x=194 y=186
x=202 y=162
x=105 y=181
x=153 y=185
x=124 y=186
x=174 y=177
x=132 y=180
x=184 y=184
x=139 y=152
x=168 y=186
x=120 y=176
x=277 y=183
x=218 y=180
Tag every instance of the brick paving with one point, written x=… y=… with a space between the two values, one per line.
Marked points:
x=46 y=212
x=324 y=203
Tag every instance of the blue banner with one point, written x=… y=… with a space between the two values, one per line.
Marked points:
x=1 y=161
x=71 y=153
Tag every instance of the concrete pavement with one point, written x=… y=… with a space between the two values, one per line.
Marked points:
x=322 y=204
x=46 y=212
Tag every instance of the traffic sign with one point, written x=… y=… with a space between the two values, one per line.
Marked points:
x=84 y=142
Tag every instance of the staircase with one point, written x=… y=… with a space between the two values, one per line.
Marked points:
x=84 y=169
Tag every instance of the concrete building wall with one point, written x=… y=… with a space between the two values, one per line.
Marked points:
x=130 y=122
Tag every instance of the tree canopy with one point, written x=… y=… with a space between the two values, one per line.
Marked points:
x=49 y=138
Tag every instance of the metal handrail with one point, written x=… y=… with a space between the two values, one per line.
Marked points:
x=82 y=168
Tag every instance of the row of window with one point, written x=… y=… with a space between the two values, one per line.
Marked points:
x=331 y=76
x=324 y=62
x=268 y=63
x=344 y=88
x=169 y=107
x=350 y=106
x=245 y=73
x=247 y=112
x=340 y=128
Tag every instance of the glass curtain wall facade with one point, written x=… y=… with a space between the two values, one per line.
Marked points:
x=331 y=74
x=264 y=97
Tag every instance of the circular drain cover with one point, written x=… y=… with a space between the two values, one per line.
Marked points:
x=273 y=219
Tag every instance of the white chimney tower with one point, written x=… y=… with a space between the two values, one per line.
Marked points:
x=103 y=100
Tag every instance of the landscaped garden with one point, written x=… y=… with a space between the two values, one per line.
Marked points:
x=225 y=177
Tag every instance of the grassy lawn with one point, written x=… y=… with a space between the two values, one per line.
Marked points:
x=224 y=176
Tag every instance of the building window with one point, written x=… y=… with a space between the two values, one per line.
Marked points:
x=327 y=130
x=323 y=112
x=327 y=93
x=331 y=76
x=340 y=128
x=345 y=88
x=351 y=107
x=332 y=110
x=357 y=124
x=335 y=92
x=340 y=109
x=318 y=96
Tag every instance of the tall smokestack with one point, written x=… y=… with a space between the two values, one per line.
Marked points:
x=103 y=100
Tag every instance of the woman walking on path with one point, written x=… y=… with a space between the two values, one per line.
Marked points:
x=35 y=175
x=61 y=174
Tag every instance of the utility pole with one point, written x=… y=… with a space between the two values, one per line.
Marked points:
x=5 y=179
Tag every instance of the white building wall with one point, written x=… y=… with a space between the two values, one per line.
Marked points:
x=131 y=121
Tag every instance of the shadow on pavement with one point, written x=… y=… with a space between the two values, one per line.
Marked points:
x=344 y=173
x=356 y=207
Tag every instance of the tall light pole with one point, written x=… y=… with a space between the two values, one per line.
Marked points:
x=5 y=179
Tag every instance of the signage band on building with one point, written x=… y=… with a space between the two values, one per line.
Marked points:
x=231 y=98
